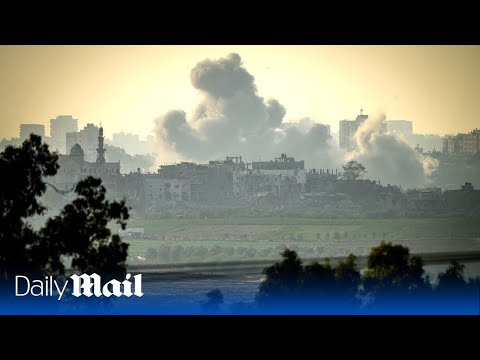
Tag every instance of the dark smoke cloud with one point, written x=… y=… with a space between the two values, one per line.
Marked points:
x=233 y=119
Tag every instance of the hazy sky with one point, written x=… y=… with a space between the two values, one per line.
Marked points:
x=127 y=87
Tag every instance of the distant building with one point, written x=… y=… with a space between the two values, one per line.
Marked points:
x=160 y=190
x=59 y=127
x=226 y=182
x=74 y=167
x=87 y=138
x=276 y=187
x=187 y=181
x=462 y=144
x=399 y=127
x=281 y=163
x=464 y=198
x=429 y=199
x=132 y=143
x=27 y=129
x=193 y=181
x=348 y=128
x=428 y=142
x=281 y=180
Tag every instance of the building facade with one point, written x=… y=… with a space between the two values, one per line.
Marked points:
x=281 y=163
x=27 y=129
x=59 y=127
x=348 y=128
x=87 y=138
x=462 y=144
x=74 y=167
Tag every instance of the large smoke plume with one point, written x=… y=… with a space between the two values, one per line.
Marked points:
x=232 y=119
x=389 y=158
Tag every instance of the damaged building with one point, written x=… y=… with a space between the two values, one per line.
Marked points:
x=193 y=183
x=276 y=182
x=227 y=181
x=465 y=198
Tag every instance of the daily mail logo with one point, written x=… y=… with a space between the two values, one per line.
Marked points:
x=83 y=285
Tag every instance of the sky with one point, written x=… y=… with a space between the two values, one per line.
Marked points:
x=128 y=87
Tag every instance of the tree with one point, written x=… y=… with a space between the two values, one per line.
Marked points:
x=453 y=277
x=80 y=231
x=214 y=300
x=290 y=283
x=22 y=170
x=282 y=278
x=353 y=170
x=347 y=272
x=391 y=267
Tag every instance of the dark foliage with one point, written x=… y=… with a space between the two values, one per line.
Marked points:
x=79 y=232
x=214 y=300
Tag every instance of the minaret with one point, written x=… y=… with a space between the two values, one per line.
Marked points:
x=100 y=149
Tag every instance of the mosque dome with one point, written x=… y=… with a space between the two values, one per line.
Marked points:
x=77 y=152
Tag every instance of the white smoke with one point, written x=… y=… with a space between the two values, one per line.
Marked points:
x=233 y=119
x=389 y=158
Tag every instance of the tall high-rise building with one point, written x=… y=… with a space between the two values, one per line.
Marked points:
x=59 y=127
x=27 y=129
x=348 y=128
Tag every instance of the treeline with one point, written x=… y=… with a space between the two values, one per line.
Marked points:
x=393 y=282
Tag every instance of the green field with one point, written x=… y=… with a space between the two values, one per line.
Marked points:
x=220 y=239
x=276 y=228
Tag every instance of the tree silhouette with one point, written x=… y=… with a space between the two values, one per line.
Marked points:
x=391 y=268
x=91 y=245
x=214 y=300
x=22 y=170
x=288 y=282
x=80 y=231
x=282 y=279
x=348 y=276
x=353 y=170
x=393 y=277
x=453 y=277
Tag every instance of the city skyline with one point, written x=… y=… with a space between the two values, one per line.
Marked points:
x=127 y=87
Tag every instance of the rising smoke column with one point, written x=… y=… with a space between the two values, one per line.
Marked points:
x=233 y=119
x=389 y=158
